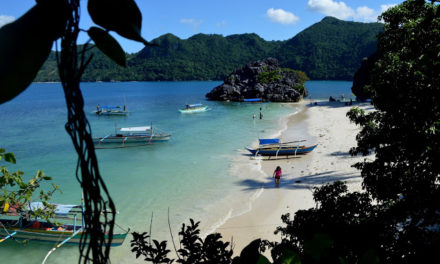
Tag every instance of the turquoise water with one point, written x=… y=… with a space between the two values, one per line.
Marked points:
x=195 y=175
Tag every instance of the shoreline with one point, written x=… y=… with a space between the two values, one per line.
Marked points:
x=324 y=124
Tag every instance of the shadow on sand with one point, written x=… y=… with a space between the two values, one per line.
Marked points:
x=303 y=182
x=337 y=104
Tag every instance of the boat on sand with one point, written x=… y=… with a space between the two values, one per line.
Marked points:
x=273 y=147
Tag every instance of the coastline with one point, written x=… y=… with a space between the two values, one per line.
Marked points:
x=324 y=124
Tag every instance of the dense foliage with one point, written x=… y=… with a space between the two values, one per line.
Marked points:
x=16 y=194
x=397 y=219
x=329 y=49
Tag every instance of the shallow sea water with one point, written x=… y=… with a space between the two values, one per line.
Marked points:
x=199 y=174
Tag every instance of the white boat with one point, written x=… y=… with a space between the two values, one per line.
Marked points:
x=193 y=108
x=111 y=110
x=131 y=137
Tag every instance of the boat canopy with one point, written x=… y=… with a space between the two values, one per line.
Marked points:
x=194 y=105
x=252 y=100
x=265 y=141
x=110 y=106
x=135 y=129
x=60 y=209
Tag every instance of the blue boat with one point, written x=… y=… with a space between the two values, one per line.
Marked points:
x=250 y=100
x=111 y=110
x=273 y=147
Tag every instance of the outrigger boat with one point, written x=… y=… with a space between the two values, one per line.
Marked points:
x=193 y=108
x=20 y=226
x=273 y=147
x=131 y=137
x=252 y=100
x=111 y=110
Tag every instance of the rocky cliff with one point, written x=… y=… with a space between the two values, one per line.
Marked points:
x=263 y=79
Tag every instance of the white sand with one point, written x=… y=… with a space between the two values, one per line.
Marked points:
x=326 y=125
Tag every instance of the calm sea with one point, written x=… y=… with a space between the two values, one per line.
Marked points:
x=197 y=174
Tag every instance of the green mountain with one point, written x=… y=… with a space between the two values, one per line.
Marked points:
x=330 y=49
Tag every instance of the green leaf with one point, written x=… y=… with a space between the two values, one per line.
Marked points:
x=108 y=45
x=318 y=245
x=26 y=43
x=369 y=257
x=10 y=157
x=262 y=260
x=121 y=16
x=289 y=257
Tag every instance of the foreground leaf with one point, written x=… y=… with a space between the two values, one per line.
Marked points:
x=108 y=45
x=121 y=16
x=26 y=43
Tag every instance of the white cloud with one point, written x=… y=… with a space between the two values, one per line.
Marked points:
x=194 y=23
x=384 y=8
x=281 y=16
x=365 y=14
x=342 y=11
x=331 y=8
x=5 y=20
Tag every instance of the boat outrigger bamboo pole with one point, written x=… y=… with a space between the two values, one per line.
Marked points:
x=8 y=236
x=60 y=244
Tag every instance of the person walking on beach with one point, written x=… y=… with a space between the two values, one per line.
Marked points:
x=277 y=175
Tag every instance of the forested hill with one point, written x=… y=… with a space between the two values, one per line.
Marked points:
x=329 y=49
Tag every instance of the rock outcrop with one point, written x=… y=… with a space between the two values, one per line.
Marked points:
x=262 y=79
x=362 y=78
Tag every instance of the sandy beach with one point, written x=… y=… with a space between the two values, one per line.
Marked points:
x=324 y=124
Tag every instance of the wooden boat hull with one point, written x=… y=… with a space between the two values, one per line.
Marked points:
x=283 y=151
x=126 y=141
x=53 y=236
x=112 y=113
x=193 y=110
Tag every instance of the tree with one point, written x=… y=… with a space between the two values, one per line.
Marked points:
x=24 y=46
x=16 y=194
x=396 y=220
x=404 y=130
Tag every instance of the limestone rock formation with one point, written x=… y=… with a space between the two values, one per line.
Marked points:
x=262 y=79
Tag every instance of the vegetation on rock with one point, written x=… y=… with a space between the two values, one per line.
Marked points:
x=263 y=79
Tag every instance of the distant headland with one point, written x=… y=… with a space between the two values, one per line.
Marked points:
x=331 y=49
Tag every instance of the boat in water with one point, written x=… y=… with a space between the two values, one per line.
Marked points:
x=20 y=226
x=273 y=147
x=252 y=100
x=131 y=137
x=193 y=108
x=111 y=110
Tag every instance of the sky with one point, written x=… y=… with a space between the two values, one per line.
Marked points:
x=270 y=19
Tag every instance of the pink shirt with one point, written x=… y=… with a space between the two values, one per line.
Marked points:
x=278 y=173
